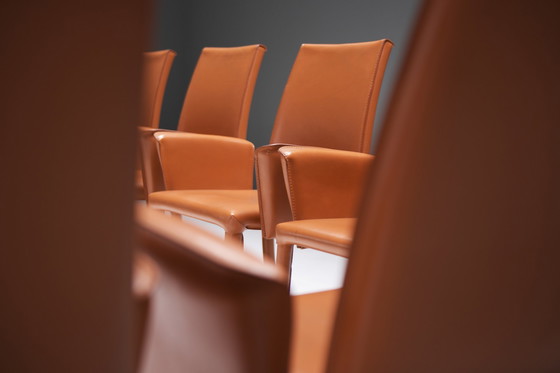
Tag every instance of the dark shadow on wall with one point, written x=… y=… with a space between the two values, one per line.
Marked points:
x=188 y=26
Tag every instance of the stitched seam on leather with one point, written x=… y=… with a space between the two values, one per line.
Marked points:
x=292 y=196
x=370 y=94
x=245 y=91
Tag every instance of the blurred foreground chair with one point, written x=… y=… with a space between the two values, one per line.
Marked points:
x=155 y=73
x=454 y=265
x=213 y=121
x=329 y=101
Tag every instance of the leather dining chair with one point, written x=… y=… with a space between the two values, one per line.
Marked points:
x=454 y=264
x=155 y=73
x=329 y=101
x=216 y=109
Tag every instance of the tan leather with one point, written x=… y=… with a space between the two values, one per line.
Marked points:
x=221 y=90
x=333 y=236
x=324 y=183
x=217 y=102
x=454 y=267
x=353 y=75
x=313 y=321
x=274 y=206
x=155 y=72
x=195 y=161
x=214 y=309
x=332 y=90
x=233 y=210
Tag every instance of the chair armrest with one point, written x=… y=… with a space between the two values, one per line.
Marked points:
x=197 y=161
x=274 y=205
x=324 y=183
x=149 y=159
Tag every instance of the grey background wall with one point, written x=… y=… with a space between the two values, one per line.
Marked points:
x=188 y=26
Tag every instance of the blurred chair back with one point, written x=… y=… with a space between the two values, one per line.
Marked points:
x=214 y=308
x=155 y=72
x=455 y=261
x=219 y=96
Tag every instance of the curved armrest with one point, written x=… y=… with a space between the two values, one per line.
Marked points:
x=324 y=183
x=151 y=168
x=273 y=198
x=197 y=161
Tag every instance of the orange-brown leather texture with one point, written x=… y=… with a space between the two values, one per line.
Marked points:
x=454 y=267
x=152 y=176
x=195 y=161
x=214 y=308
x=224 y=78
x=273 y=199
x=313 y=321
x=333 y=236
x=324 y=183
x=155 y=72
x=233 y=210
x=329 y=101
x=331 y=95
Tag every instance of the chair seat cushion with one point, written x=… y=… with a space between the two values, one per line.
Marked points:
x=233 y=210
x=330 y=235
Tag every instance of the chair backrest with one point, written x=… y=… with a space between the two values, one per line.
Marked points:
x=214 y=308
x=219 y=96
x=331 y=96
x=155 y=72
x=455 y=261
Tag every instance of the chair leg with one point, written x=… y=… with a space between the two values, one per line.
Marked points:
x=268 y=248
x=235 y=236
x=284 y=255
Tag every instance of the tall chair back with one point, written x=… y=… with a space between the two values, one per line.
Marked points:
x=454 y=266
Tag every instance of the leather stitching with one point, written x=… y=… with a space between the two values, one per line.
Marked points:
x=370 y=94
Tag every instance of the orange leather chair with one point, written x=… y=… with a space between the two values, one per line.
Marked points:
x=155 y=72
x=329 y=100
x=217 y=102
x=325 y=188
x=454 y=265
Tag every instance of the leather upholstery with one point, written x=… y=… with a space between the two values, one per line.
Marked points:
x=333 y=236
x=332 y=90
x=195 y=161
x=217 y=102
x=213 y=309
x=345 y=78
x=155 y=72
x=221 y=90
x=324 y=183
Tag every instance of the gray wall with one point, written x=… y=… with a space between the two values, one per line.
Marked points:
x=188 y=26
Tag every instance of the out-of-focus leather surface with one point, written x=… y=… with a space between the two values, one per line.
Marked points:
x=273 y=199
x=195 y=161
x=155 y=72
x=324 y=183
x=333 y=236
x=313 y=319
x=331 y=95
x=233 y=210
x=221 y=90
x=214 y=309
x=454 y=266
